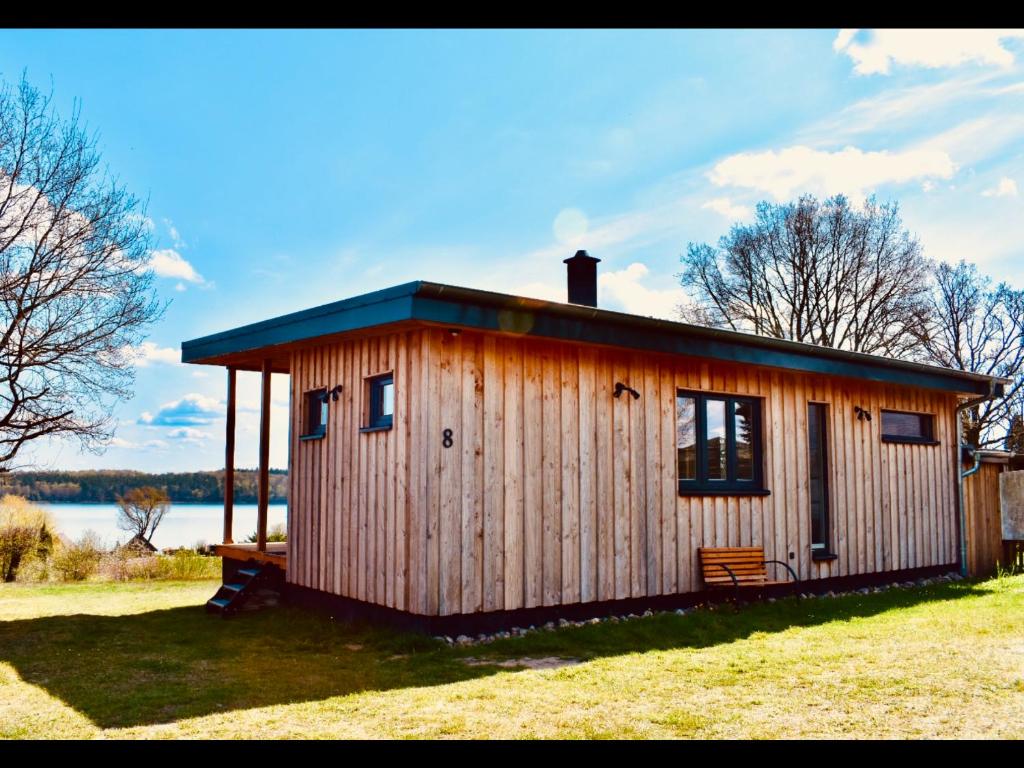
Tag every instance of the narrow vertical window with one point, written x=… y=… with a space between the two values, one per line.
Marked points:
x=380 y=402
x=715 y=439
x=315 y=411
x=817 y=445
x=686 y=437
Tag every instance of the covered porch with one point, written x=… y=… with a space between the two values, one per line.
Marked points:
x=275 y=552
x=263 y=552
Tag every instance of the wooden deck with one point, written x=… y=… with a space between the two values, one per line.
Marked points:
x=276 y=554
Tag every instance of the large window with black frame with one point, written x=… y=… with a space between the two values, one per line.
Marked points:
x=719 y=443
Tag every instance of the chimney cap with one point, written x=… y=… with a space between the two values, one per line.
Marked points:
x=580 y=256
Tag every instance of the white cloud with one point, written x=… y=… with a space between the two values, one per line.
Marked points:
x=624 y=289
x=148 y=353
x=1006 y=187
x=192 y=409
x=175 y=235
x=167 y=262
x=904 y=108
x=120 y=442
x=850 y=171
x=727 y=208
x=875 y=51
x=188 y=435
x=979 y=138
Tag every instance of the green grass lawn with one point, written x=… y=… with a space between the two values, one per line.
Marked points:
x=145 y=661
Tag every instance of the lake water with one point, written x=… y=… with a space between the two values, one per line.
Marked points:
x=183 y=526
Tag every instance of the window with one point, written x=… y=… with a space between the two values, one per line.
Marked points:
x=718 y=439
x=380 y=399
x=314 y=417
x=818 y=466
x=902 y=427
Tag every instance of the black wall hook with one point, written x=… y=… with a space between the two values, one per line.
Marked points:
x=620 y=388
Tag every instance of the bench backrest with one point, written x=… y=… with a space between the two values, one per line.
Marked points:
x=747 y=563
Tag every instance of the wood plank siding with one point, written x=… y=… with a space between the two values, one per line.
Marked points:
x=555 y=492
x=983 y=524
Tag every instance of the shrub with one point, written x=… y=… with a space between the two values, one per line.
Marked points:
x=79 y=560
x=26 y=535
x=275 y=533
x=125 y=564
x=186 y=564
x=180 y=565
x=35 y=570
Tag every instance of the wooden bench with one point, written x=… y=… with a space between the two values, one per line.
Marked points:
x=738 y=567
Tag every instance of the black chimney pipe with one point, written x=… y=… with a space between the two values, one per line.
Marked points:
x=582 y=273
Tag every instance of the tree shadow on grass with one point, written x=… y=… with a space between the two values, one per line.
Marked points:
x=169 y=665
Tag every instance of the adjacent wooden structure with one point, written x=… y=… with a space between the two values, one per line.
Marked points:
x=984 y=533
x=512 y=478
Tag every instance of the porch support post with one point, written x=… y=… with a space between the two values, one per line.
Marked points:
x=229 y=459
x=263 y=489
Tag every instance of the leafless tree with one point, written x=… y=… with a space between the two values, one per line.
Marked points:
x=825 y=273
x=140 y=510
x=977 y=327
x=75 y=293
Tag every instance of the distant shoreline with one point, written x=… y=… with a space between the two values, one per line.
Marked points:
x=105 y=486
x=173 y=503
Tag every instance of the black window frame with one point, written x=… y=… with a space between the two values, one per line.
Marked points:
x=313 y=401
x=926 y=439
x=820 y=550
x=376 y=419
x=731 y=485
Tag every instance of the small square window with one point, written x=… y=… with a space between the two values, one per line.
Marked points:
x=314 y=413
x=903 y=427
x=381 y=401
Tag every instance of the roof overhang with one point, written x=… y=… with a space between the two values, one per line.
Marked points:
x=423 y=302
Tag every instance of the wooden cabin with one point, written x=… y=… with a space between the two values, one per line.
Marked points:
x=462 y=459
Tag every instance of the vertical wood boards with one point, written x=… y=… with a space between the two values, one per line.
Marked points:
x=493 y=497
x=553 y=491
x=984 y=529
x=513 y=479
x=569 y=432
x=551 y=476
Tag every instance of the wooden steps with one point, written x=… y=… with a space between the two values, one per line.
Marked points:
x=231 y=597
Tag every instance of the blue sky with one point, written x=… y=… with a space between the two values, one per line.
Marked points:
x=285 y=169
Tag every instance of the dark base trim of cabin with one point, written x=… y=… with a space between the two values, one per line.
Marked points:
x=349 y=609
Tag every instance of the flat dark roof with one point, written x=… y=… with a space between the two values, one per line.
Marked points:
x=466 y=307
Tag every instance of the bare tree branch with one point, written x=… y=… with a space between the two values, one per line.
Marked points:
x=973 y=326
x=75 y=291
x=824 y=273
